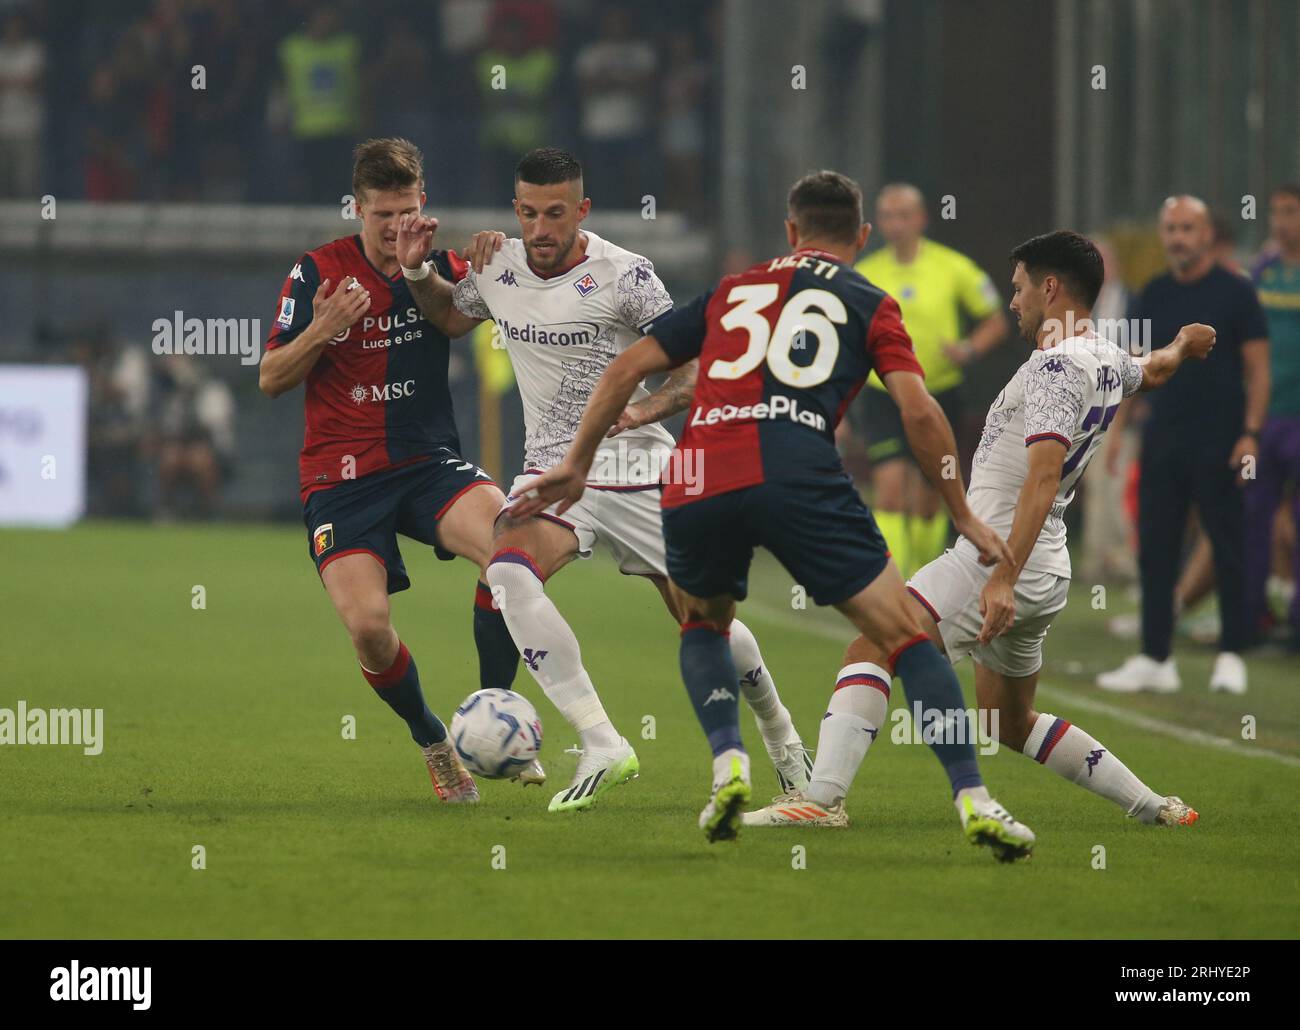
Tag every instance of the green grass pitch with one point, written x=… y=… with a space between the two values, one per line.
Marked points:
x=223 y=728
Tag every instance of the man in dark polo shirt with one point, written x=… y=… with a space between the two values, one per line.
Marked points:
x=1199 y=446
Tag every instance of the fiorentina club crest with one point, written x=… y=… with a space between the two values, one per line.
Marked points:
x=585 y=285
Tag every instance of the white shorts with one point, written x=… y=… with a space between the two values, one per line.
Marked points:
x=950 y=587
x=626 y=520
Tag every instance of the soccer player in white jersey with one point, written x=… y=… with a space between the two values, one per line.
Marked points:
x=1038 y=436
x=566 y=303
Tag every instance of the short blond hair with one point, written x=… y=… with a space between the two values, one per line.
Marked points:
x=386 y=164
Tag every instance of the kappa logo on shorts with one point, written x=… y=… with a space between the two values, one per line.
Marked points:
x=585 y=285
x=322 y=538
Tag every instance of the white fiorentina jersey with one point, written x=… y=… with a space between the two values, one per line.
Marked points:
x=1069 y=393
x=561 y=334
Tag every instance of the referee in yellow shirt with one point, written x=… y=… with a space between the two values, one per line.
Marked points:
x=937 y=289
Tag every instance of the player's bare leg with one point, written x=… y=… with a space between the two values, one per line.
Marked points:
x=357 y=585
x=1068 y=750
x=709 y=673
x=527 y=552
x=467 y=529
x=791 y=759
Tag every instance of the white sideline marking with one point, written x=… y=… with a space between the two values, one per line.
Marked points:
x=1071 y=697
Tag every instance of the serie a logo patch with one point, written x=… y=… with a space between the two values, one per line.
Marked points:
x=322 y=538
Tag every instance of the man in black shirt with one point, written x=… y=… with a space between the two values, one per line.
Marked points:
x=1199 y=446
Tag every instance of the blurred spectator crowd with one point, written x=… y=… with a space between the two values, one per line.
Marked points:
x=239 y=100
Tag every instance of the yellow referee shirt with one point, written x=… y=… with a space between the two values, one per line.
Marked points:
x=933 y=290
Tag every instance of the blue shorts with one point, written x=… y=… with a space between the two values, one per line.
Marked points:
x=364 y=516
x=821 y=532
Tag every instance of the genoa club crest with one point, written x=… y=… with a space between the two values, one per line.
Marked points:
x=322 y=539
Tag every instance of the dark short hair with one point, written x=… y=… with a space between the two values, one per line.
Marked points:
x=1291 y=189
x=826 y=205
x=385 y=164
x=1072 y=258
x=546 y=166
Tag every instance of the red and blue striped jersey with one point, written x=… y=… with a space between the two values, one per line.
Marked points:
x=377 y=397
x=784 y=347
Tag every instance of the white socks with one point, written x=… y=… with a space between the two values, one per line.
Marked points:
x=1069 y=752
x=722 y=766
x=758 y=688
x=854 y=716
x=551 y=652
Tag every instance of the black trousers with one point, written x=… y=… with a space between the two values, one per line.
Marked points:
x=1176 y=474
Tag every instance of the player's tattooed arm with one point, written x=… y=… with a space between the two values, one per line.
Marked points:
x=1193 y=341
x=935 y=449
x=673 y=396
x=333 y=311
x=431 y=292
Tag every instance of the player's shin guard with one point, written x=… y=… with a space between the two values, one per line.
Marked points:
x=1070 y=752
x=498 y=658
x=399 y=687
x=854 y=716
x=549 y=648
x=928 y=680
x=757 y=686
x=710 y=677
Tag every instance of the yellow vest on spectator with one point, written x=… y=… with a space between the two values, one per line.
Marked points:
x=323 y=84
x=933 y=291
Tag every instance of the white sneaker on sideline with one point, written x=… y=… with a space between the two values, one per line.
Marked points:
x=1229 y=673
x=1142 y=672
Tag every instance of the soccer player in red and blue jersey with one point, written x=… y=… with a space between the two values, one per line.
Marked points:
x=783 y=349
x=381 y=455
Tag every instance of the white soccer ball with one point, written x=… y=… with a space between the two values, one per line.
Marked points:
x=496 y=733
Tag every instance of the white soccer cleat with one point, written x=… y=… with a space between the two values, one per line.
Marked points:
x=721 y=818
x=530 y=774
x=793 y=763
x=793 y=809
x=988 y=824
x=600 y=770
x=1229 y=673
x=1142 y=672
x=451 y=780
x=1176 y=812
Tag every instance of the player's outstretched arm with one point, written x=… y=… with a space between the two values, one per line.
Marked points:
x=1046 y=458
x=285 y=367
x=935 y=449
x=431 y=292
x=1193 y=341
x=673 y=396
x=566 y=482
